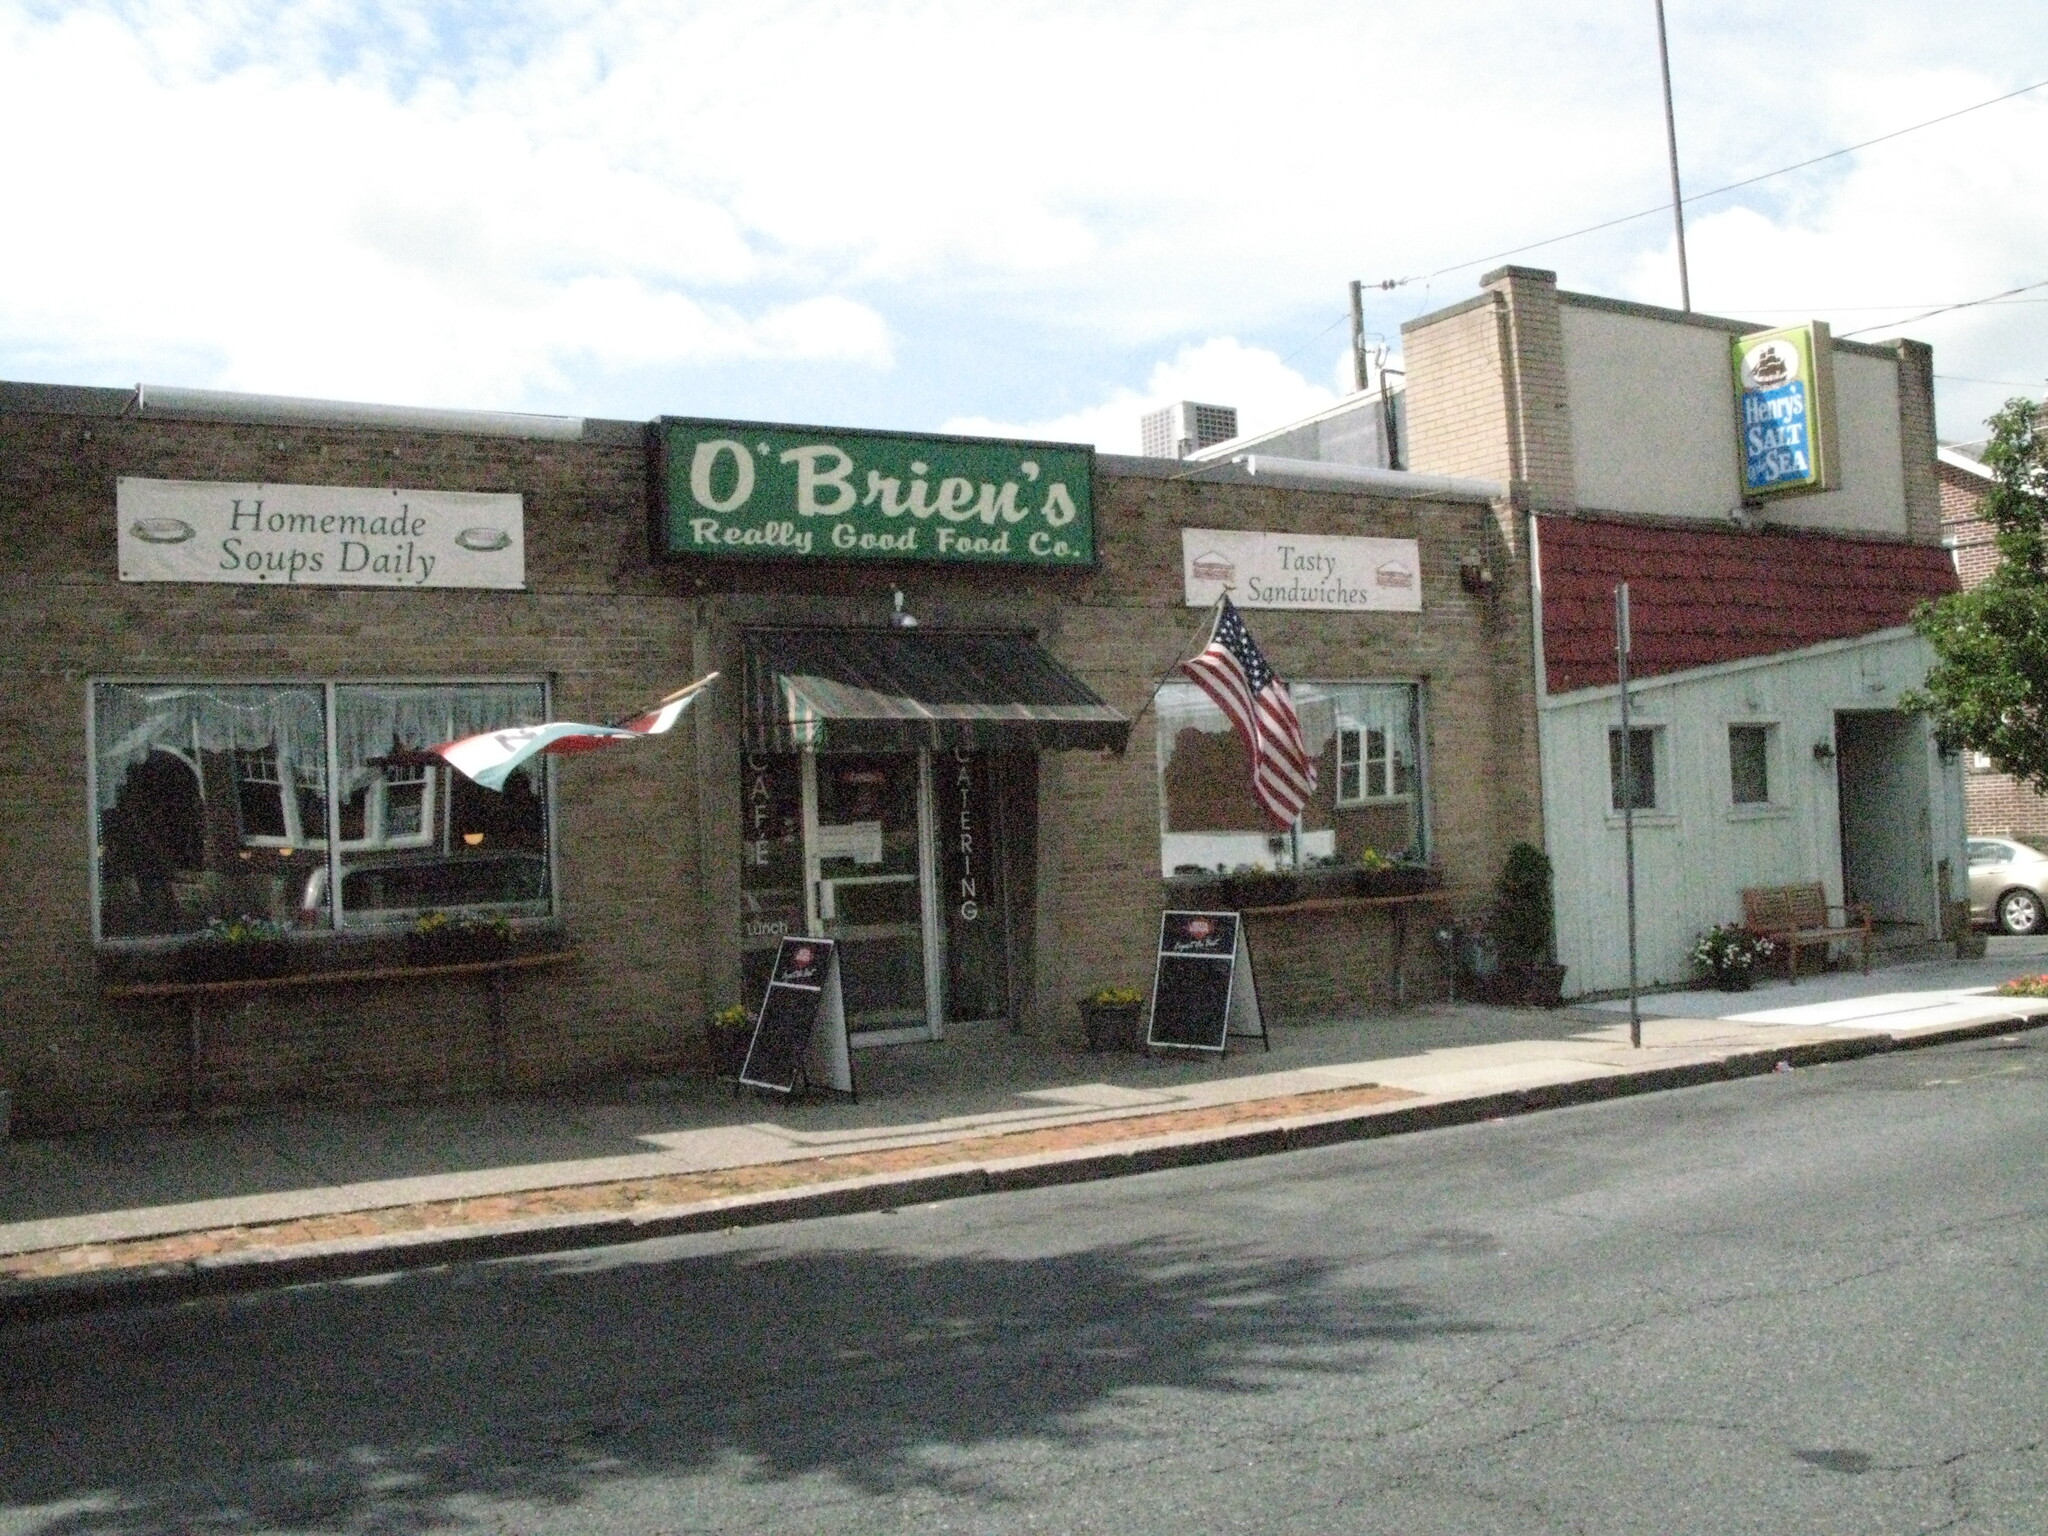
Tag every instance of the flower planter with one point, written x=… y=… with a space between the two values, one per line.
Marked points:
x=1396 y=880
x=1112 y=1026
x=253 y=960
x=1736 y=979
x=456 y=947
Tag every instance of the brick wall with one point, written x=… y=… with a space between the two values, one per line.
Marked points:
x=1457 y=394
x=1486 y=389
x=1924 y=505
x=597 y=620
x=1539 y=404
x=649 y=837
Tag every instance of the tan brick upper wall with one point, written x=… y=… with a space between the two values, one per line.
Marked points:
x=1457 y=394
x=1916 y=441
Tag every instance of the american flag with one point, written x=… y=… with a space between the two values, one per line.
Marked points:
x=1247 y=689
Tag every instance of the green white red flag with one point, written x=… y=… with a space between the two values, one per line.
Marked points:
x=491 y=757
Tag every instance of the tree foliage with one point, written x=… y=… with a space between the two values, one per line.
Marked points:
x=1988 y=688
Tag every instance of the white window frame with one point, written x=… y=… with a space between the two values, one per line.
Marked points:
x=1357 y=738
x=293 y=776
x=1419 y=796
x=1660 y=771
x=329 y=840
x=1774 y=774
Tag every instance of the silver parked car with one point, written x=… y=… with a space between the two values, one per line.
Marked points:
x=2008 y=885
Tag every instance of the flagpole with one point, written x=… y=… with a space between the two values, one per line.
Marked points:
x=1208 y=627
x=681 y=693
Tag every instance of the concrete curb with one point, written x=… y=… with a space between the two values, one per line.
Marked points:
x=29 y=1301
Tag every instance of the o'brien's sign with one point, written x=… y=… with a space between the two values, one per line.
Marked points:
x=1301 y=570
x=738 y=490
x=1785 y=391
x=318 y=535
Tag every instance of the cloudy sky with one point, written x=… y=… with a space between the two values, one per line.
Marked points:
x=1032 y=216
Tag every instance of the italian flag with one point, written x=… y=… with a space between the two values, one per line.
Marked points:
x=491 y=757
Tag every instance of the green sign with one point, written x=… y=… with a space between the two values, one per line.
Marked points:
x=1784 y=388
x=740 y=490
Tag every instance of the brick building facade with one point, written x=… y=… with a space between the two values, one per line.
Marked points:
x=646 y=843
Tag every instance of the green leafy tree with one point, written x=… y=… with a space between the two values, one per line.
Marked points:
x=1988 y=688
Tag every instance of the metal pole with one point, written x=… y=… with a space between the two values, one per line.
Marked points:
x=1358 y=335
x=1628 y=807
x=1671 y=140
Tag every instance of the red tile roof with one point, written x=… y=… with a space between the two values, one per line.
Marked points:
x=1707 y=595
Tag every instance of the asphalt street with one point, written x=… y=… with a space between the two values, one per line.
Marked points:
x=1812 y=1302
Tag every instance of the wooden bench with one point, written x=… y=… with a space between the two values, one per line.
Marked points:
x=1798 y=917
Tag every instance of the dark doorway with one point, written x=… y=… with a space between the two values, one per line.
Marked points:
x=1882 y=789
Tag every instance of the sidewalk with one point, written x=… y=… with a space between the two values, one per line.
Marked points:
x=158 y=1213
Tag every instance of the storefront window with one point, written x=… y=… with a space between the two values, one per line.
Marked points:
x=212 y=802
x=1364 y=738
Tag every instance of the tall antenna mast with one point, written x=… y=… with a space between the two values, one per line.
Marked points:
x=1671 y=141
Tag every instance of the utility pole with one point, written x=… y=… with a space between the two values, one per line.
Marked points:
x=1623 y=644
x=1671 y=141
x=1358 y=335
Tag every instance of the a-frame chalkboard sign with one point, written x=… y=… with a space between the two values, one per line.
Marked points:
x=1203 y=991
x=799 y=1043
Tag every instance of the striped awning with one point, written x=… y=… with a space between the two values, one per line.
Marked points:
x=897 y=690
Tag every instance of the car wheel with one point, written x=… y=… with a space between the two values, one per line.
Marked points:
x=2019 y=912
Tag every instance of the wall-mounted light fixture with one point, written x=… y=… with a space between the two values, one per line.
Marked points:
x=900 y=619
x=1823 y=751
x=1473 y=574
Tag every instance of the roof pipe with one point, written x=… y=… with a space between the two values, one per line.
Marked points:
x=1392 y=482
x=162 y=400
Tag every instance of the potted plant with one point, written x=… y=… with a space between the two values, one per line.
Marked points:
x=1110 y=1017
x=438 y=939
x=1728 y=954
x=729 y=1034
x=236 y=949
x=1522 y=928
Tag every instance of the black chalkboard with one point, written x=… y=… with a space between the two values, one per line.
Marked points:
x=1202 y=991
x=803 y=993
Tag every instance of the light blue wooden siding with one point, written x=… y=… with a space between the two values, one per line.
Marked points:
x=1697 y=852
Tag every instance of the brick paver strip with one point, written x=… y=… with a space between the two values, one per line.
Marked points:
x=678 y=1188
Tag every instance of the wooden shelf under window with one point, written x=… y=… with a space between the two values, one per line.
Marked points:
x=1341 y=903
x=196 y=989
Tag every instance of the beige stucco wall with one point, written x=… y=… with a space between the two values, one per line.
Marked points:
x=1873 y=494
x=1653 y=425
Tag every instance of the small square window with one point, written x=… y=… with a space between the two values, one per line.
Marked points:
x=1639 y=766
x=1749 y=764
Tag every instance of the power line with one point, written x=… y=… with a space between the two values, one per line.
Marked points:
x=1964 y=378
x=1748 y=181
x=1947 y=308
x=1865 y=309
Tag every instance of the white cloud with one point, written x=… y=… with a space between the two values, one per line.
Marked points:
x=415 y=201
x=1264 y=390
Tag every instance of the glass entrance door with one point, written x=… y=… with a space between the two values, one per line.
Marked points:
x=868 y=858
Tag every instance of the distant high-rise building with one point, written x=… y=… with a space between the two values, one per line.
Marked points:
x=1185 y=427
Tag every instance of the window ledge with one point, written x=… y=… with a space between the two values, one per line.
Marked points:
x=1767 y=811
x=1645 y=819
